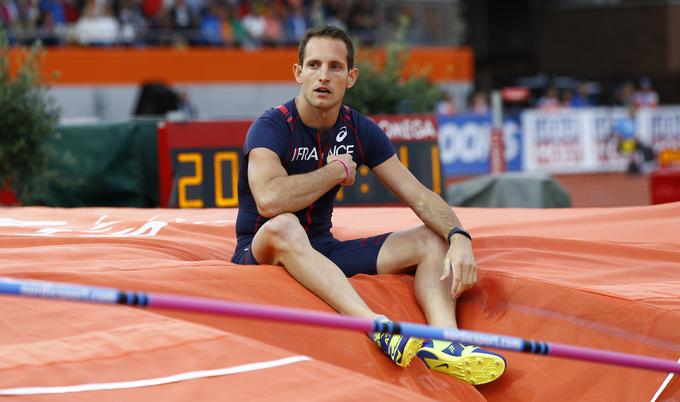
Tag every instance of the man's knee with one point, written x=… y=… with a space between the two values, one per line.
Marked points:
x=431 y=244
x=284 y=233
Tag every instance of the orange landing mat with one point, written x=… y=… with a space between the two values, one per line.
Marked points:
x=600 y=278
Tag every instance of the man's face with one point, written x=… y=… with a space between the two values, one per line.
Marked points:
x=324 y=74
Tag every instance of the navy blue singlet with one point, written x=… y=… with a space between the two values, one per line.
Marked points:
x=302 y=149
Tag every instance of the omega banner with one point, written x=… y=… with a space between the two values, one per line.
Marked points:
x=198 y=162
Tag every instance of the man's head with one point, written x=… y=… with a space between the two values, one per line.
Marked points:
x=326 y=68
x=329 y=32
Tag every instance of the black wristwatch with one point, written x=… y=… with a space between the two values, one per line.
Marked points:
x=458 y=229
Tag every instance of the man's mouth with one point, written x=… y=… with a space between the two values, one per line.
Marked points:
x=322 y=90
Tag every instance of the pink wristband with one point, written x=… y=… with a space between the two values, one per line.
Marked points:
x=346 y=169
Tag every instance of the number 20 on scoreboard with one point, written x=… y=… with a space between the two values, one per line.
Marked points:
x=206 y=178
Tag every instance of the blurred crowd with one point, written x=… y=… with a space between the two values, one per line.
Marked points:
x=554 y=97
x=626 y=94
x=225 y=23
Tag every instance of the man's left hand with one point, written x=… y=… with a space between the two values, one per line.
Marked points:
x=460 y=261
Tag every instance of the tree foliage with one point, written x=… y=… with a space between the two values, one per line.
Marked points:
x=29 y=116
x=382 y=88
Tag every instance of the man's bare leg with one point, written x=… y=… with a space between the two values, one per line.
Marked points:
x=424 y=250
x=282 y=241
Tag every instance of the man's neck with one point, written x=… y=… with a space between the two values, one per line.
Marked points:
x=316 y=118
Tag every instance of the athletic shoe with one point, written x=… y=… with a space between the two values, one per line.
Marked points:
x=401 y=349
x=471 y=364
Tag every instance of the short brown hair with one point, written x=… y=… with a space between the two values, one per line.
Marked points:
x=331 y=32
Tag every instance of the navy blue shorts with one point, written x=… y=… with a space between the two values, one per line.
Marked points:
x=358 y=256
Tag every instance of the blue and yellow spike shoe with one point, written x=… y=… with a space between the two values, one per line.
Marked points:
x=471 y=364
x=401 y=349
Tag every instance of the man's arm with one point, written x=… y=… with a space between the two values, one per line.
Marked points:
x=438 y=216
x=276 y=192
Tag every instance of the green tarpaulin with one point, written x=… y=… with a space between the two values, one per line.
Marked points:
x=102 y=164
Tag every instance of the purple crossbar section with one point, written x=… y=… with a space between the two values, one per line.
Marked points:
x=616 y=358
x=247 y=310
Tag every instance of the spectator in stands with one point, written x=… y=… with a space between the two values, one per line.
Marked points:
x=197 y=7
x=97 y=26
x=72 y=10
x=56 y=9
x=446 y=106
x=8 y=13
x=646 y=96
x=582 y=96
x=566 y=97
x=550 y=100
x=233 y=31
x=363 y=21
x=296 y=22
x=316 y=12
x=184 y=22
x=479 y=103
x=153 y=9
x=211 y=24
x=335 y=13
x=624 y=94
x=160 y=31
x=50 y=33
x=273 y=24
x=255 y=23
x=25 y=25
x=133 y=24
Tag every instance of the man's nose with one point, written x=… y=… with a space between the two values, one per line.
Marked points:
x=323 y=74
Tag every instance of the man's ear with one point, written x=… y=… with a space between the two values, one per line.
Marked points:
x=297 y=73
x=352 y=77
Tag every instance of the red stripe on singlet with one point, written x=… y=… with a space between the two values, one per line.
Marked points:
x=283 y=109
x=309 y=218
x=291 y=126
x=348 y=121
x=318 y=146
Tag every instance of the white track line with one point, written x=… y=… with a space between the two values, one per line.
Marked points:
x=663 y=386
x=191 y=375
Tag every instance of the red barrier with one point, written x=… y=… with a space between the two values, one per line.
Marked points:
x=7 y=196
x=665 y=185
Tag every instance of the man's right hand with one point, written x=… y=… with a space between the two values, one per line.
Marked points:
x=351 y=166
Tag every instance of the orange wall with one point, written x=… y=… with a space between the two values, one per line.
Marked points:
x=131 y=66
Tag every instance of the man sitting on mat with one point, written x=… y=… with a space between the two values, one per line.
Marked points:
x=297 y=157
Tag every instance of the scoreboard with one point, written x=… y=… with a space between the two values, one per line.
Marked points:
x=199 y=162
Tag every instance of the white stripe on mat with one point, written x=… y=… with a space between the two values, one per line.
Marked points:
x=191 y=375
x=663 y=386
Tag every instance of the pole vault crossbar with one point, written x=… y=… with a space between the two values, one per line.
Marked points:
x=94 y=294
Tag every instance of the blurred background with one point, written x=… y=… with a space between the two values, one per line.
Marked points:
x=576 y=96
